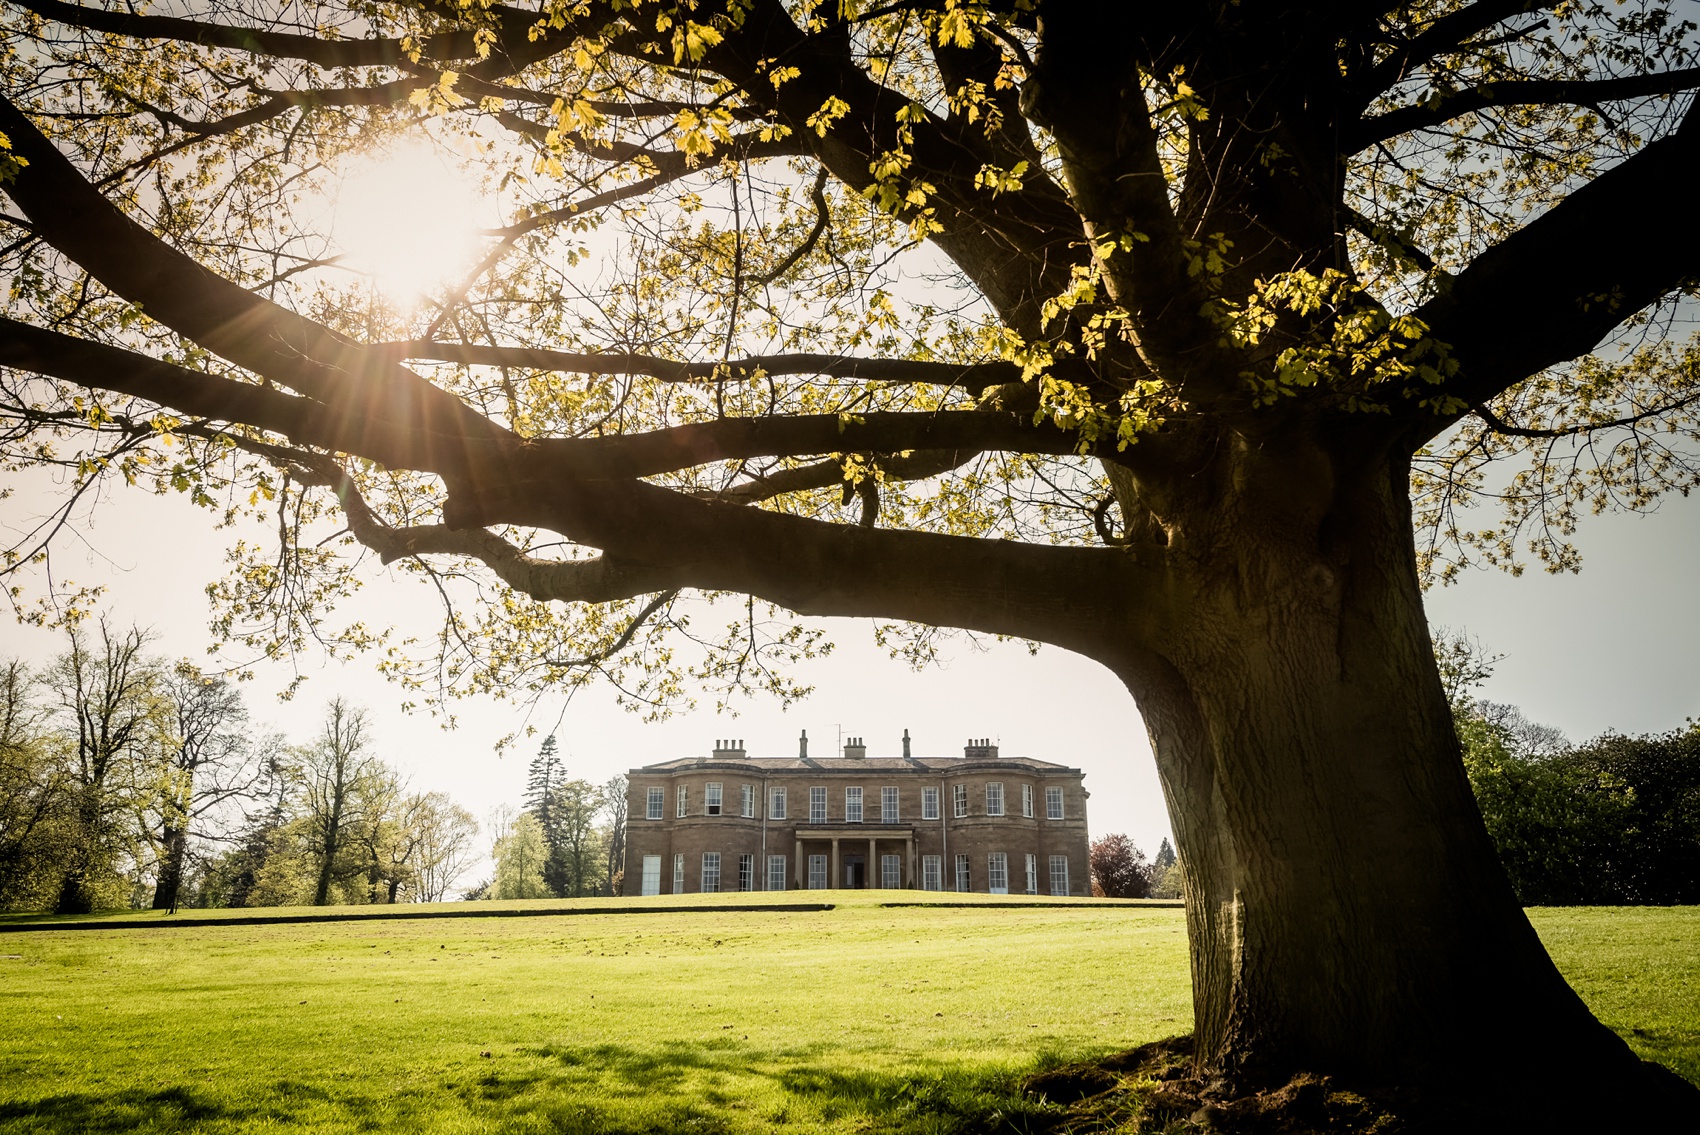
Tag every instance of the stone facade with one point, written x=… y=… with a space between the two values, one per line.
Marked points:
x=979 y=822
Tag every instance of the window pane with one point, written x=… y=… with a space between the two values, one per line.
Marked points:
x=710 y=872
x=959 y=796
x=997 y=873
x=1053 y=804
x=679 y=874
x=891 y=872
x=711 y=799
x=817 y=871
x=1059 y=874
x=932 y=872
x=652 y=872
x=994 y=799
x=746 y=872
x=817 y=805
x=1027 y=800
x=657 y=801
x=852 y=805
x=682 y=796
x=888 y=805
x=929 y=803
x=1032 y=874
x=776 y=806
x=776 y=872
x=962 y=877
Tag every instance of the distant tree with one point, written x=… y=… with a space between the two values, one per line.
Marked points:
x=520 y=856
x=577 y=846
x=33 y=795
x=1166 y=882
x=335 y=769
x=107 y=692
x=1165 y=858
x=614 y=837
x=446 y=833
x=1654 y=784
x=212 y=761
x=543 y=783
x=1118 y=868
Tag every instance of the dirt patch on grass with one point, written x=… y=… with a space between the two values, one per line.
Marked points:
x=1151 y=1090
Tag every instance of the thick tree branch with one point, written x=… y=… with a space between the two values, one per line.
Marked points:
x=973 y=377
x=1444 y=34
x=1445 y=108
x=1554 y=289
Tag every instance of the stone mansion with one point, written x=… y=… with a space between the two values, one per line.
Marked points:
x=979 y=822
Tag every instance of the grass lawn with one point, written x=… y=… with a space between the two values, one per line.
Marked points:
x=858 y=1018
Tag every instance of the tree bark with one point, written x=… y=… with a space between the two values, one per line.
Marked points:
x=174 y=843
x=1346 y=909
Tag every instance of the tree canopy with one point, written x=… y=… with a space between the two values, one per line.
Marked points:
x=1174 y=335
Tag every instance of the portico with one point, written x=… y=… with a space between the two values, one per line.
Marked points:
x=844 y=842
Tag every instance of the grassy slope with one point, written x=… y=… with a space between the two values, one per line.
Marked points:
x=686 y=1022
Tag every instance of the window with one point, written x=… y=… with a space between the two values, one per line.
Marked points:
x=681 y=795
x=962 y=878
x=929 y=803
x=891 y=872
x=711 y=799
x=710 y=872
x=852 y=805
x=776 y=872
x=1032 y=874
x=1027 y=800
x=888 y=805
x=776 y=805
x=1059 y=874
x=997 y=873
x=932 y=870
x=817 y=805
x=959 y=797
x=994 y=799
x=679 y=874
x=746 y=872
x=657 y=801
x=1053 y=804
x=747 y=801
x=652 y=870
x=817 y=871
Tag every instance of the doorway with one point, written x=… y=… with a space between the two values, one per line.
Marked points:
x=855 y=872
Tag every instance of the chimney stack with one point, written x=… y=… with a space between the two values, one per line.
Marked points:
x=980 y=748
x=803 y=745
x=906 y=744
x=854 y=749
x=729 y=750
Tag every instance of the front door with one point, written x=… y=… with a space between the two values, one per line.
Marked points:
x=855 y=872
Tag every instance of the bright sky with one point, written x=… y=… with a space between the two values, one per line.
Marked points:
x=1614 y=647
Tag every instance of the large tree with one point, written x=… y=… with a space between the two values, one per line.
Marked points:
x=1172 y=334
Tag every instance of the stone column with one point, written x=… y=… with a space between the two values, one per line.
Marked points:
x=801 y=868
x=835 y=879
x=873 y=864
x=909 y=846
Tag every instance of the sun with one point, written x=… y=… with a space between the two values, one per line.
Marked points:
x=407 y=218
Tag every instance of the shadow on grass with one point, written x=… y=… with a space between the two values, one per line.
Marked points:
x=171 y=1109
x=707 y=1087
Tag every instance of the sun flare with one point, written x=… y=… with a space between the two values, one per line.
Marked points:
x=407 y=218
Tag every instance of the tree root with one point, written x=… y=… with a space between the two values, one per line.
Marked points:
x=1152 y=1090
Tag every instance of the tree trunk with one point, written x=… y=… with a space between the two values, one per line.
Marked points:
x=76 y=889
x=1346 y=909
x=174 y=843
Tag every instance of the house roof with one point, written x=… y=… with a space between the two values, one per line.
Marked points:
x=941 y=765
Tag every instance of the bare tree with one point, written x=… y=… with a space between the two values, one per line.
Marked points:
x=447 y=836
x=108 y=691
x=213 y=761
x=614 y=803
x=335 y=770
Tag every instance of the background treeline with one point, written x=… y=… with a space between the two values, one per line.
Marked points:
x=1613 y=820
x=568 y=841
x=128 y=781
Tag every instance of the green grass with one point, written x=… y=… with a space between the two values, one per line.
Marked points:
x=859 y=1018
